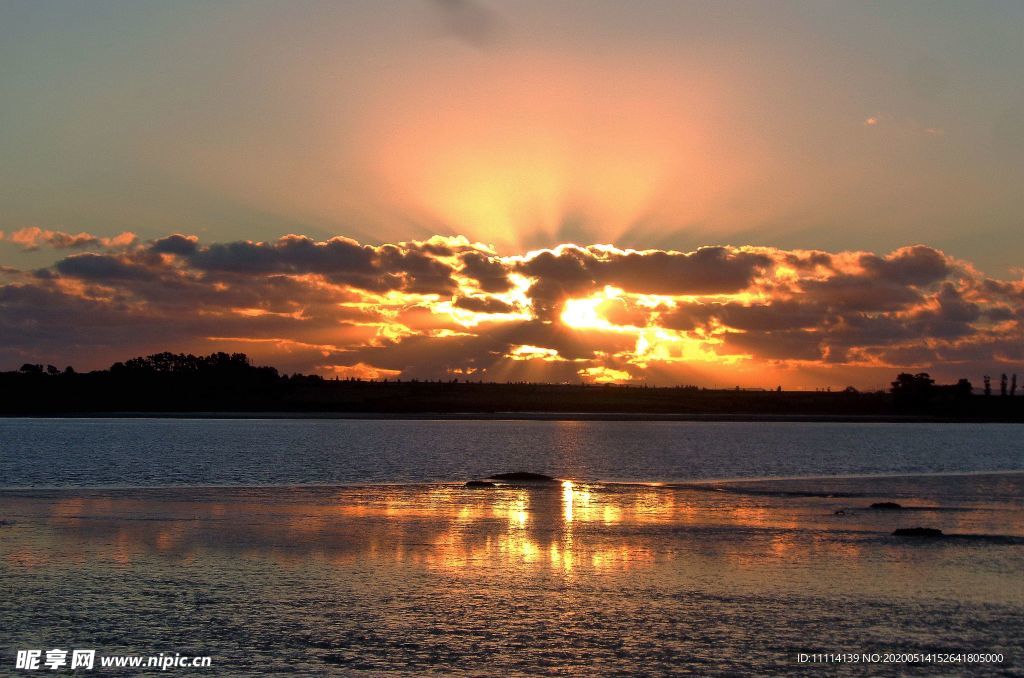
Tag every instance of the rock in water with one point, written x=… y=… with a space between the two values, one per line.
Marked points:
x=523 y=477
x=917 y=532
x=479 y=484
x=886 y=506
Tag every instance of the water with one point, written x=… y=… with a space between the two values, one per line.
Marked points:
x=158 y=452
x=348 y=547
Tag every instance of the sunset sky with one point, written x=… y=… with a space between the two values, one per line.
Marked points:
x=804 y=194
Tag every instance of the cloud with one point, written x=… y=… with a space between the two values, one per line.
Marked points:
x=446 y=306
x=101 y=268
x=484 y=305
x=567 y=270
x=470 y=21
x=176 y=244
x=34 y=238
x=917 y=265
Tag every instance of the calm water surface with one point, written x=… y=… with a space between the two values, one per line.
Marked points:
x=345 y=547
x=154 y=452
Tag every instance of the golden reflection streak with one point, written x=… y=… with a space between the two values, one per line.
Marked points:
x=446 y=527
x=567 y=500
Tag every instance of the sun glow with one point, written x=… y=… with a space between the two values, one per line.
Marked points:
x=605 y=375
x=527 y=352
x=522 y=152
x=586 y=313
x=654 y=344
x=468 y=318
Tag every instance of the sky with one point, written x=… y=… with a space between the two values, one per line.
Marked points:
x=807 y=194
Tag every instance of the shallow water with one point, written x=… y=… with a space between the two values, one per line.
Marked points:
x=148 y=452
x=706 y=579
x=331 y=547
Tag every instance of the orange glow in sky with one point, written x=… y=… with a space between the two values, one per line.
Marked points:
x=797 y=194
x=543 y=146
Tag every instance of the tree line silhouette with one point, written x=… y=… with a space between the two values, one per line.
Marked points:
x=229 y=382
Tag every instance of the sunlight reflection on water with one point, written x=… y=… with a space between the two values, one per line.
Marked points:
x=630 y=578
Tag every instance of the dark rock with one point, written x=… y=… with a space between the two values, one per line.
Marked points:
x=334 y=658
x=840 y=512
x=524 y=477
x=886 y=506
x=917 y=532
x=479 y=484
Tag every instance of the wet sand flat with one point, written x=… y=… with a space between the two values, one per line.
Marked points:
x=704 y=578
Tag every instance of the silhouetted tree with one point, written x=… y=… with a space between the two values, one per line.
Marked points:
x=29 y=368
x=913 y=389
x=988 y=385
x=1013 y=385
x=1003 y=382
x=912 y=384
x=964 y=388
x=52 y=370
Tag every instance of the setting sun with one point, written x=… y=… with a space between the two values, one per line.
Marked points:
x=586 y=313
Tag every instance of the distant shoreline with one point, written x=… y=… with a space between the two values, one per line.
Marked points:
x=522 y=416
x=223 y=386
